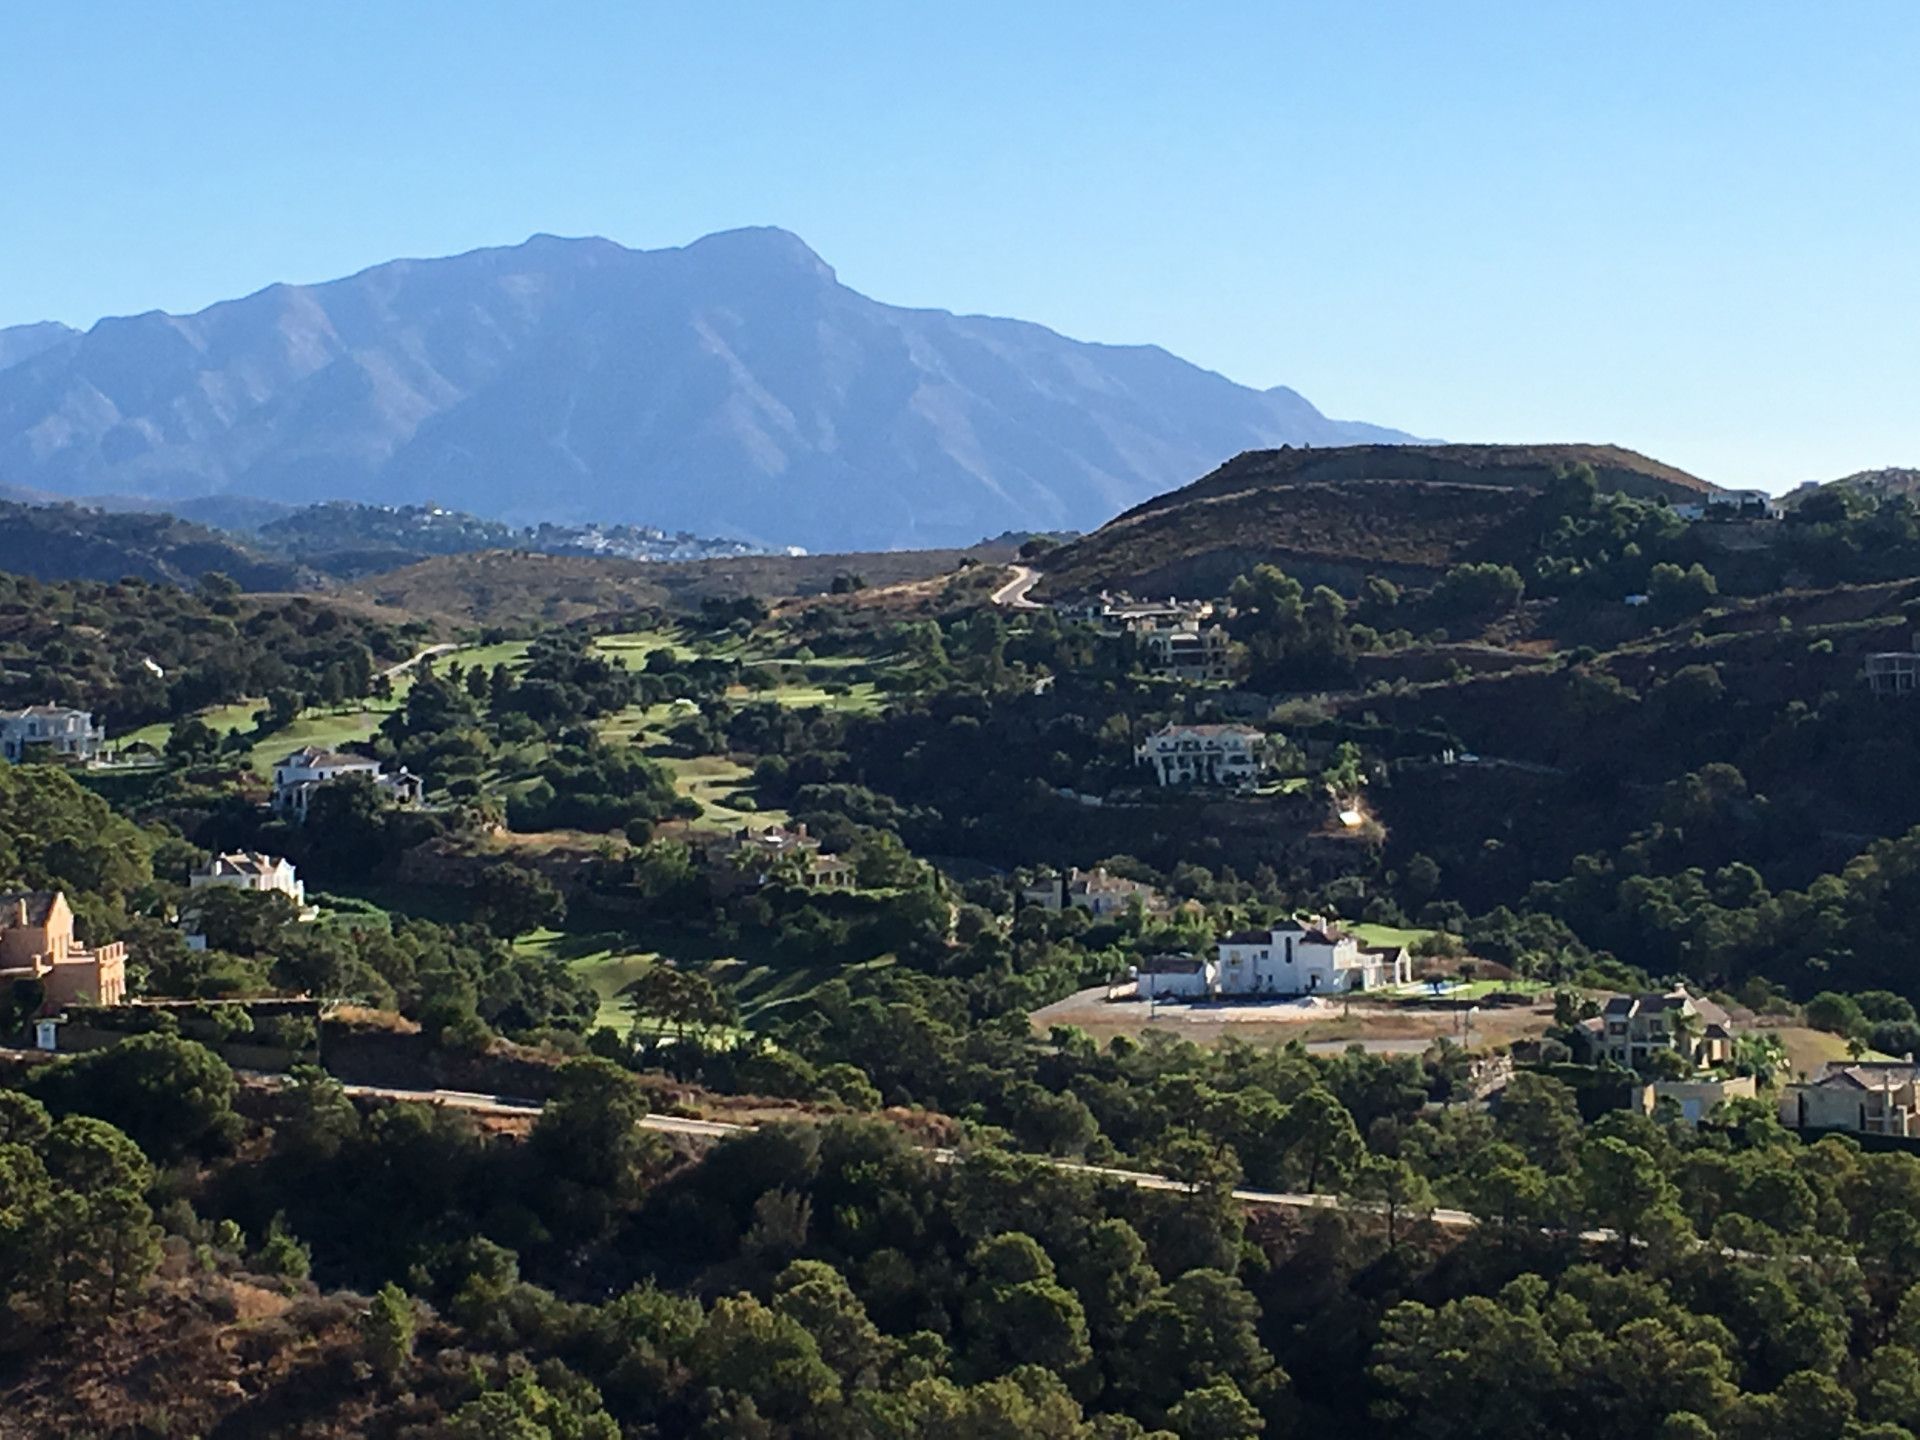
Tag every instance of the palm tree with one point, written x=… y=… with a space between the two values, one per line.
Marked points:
x=1686 y=1037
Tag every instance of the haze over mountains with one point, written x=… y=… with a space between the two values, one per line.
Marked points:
x=732 y=387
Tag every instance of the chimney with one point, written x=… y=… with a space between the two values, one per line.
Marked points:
x=20 y=912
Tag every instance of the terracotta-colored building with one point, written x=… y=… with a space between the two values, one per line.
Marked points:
x=37 y=943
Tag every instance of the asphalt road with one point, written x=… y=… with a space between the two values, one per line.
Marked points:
x=720 y=1129
x=1013 y=594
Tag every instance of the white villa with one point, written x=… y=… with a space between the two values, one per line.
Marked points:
x=304 y=771
x=1309 y=956
x=245 y=870
x=64 y=733
x=250 y=870
x=1203 y=754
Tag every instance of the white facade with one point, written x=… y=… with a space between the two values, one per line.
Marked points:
x=1307 y=957
x=304 y=771
x=1203 y=754
x=65 y=733
x=245 y=870
x=250 y=870
x=1174 y=977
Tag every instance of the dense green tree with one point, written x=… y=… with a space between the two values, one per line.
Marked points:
x=1322 y=1142
x=513 y=899
x=1215 y=1412
x=172 y=1096
x=387 y=1331
x=765 y=1357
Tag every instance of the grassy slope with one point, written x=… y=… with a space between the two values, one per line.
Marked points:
x=510 y=587
x=1389 y=935
x=329 y=729
x=611 y=960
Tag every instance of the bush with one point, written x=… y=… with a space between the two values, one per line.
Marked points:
x=1838 y=1014
x=1477 y=592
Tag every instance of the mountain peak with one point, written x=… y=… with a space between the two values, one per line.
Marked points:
x=728 y=387
x=765 y=249
x=23 y=342
x=573 y=244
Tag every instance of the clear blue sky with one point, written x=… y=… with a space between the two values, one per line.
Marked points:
x=1689 y=228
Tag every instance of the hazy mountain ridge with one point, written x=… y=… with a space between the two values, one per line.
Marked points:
x=23 y=342
x=729 y=387
x=288 y=548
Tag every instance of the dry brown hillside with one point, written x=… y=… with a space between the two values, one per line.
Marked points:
x=1336 y=515
x=516 y=586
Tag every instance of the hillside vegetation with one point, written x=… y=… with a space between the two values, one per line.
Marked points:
x=1402 y=511
x=1606 y=749
x=72 y=542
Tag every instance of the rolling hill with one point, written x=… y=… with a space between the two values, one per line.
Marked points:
x=515 y=586
x=1333 y=516
x=1871 y=485
x=69 y=542
x=729 y=387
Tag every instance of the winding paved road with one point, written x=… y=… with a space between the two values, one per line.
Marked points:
x=1013 y=594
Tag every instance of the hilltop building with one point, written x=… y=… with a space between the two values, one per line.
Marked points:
x=1184 y=649
x=1877 y=1097
x=250 y=870
x=1228 y=755
x=37 y=944
x=1894 y=672
x=50 y=732
x=245 y=870
x=1308 y=956
x=1174 y=636
x=1098 y=891
x=1115 y=610
x=749 y=857
x=297 y=777
x=1630 y=1028
x=1730 y=505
